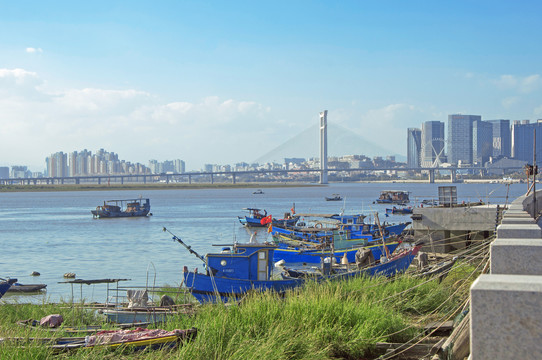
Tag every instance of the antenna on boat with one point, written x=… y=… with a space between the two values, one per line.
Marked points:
x=188 y=247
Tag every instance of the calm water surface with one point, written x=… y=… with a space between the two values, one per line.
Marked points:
x=54 y=233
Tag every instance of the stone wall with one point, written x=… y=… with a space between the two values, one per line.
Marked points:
x=505 y=316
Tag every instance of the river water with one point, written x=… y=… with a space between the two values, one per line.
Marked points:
x=54 y=233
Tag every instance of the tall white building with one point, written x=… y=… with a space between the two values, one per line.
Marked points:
x=323 y=147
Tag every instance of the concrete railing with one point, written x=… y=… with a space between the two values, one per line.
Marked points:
x=506 y=304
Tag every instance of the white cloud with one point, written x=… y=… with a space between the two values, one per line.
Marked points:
x=134 y=124
x=32 y=50
x=525 y=85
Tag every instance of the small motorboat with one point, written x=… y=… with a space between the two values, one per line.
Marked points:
x=334 y=197
x=259 y=218
x=258 y=192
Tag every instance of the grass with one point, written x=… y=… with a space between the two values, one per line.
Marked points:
x=332 y=320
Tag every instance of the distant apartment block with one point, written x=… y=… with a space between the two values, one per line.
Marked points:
x=432 y=144
x=19 y=172
x=84 y=163
x=169 y=166
x=460 y=141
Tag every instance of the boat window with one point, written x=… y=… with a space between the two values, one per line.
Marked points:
x=261 y=255
x=240 y=250
x=223 y=262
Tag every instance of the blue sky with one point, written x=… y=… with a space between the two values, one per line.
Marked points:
x=223 y=82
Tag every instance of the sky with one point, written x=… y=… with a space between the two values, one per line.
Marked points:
x=221 y=82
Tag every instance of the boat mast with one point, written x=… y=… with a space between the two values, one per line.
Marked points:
x=188 y=247
x=382 y=234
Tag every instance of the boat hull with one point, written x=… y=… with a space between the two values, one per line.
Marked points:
x=109 y=214
x=399 y=211
x=210 y=289
x=20 y=288
x=255 y=222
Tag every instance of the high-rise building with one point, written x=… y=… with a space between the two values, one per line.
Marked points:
x=460 y=138
x=482 y=142
x=523 y=140
x=57 y=165
x=432 y=144
x=502 y=140
x=414 y=147
x=180 y=166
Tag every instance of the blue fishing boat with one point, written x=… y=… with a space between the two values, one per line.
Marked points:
x=234 y=271
x=5 y=285
x=123 y=208
x=231 y=274
x=259 y=218
x=346 y=233
x=399 y=210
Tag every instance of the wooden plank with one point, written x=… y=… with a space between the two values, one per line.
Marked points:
x=439 y=328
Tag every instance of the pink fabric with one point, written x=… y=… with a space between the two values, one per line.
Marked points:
x=115 y=336
x=51 y=321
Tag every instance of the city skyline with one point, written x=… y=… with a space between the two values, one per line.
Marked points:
x=211 y=82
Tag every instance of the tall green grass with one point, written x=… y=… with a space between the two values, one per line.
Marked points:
x=330 y=320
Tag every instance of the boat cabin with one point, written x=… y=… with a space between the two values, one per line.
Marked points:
x=256 y=213
x=243 y=261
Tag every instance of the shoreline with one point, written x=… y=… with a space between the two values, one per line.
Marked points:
x=159 y=186
x=255 y=185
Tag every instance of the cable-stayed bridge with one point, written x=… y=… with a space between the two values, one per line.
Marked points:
x=229 y=176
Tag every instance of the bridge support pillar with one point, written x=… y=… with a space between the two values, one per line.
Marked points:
x=99 y=180
x=233 y=178
x=212 y=179
x=431 y=176
x=190 y=179
x=453 y=176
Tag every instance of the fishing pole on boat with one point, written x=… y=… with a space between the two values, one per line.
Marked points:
x=188 y=247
